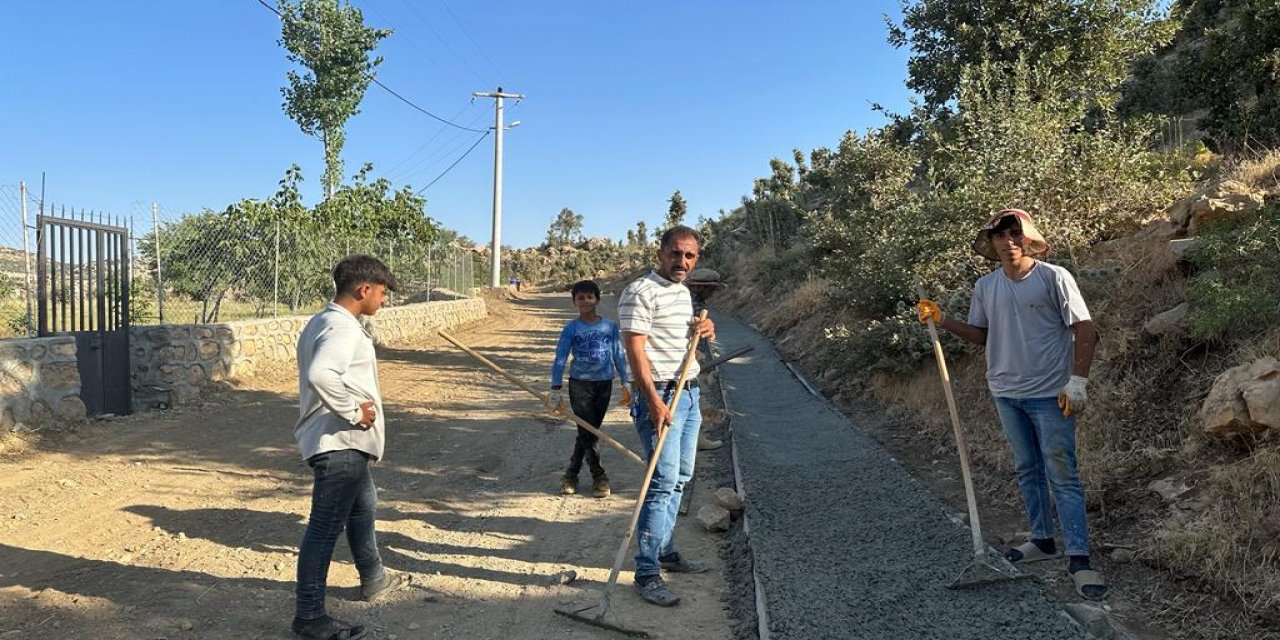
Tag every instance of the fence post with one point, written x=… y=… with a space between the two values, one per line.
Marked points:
x=429 y=248
x=275 y=293
x=26 y=255
x=155 y=231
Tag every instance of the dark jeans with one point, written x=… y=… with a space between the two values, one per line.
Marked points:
x=343 y=496
x=590 y=401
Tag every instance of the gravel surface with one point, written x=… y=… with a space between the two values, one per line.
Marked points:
x=847 y=543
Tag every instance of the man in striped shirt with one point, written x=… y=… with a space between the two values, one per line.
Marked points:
x=655 y=315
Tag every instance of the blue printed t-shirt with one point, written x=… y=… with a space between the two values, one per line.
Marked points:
x=596 y=349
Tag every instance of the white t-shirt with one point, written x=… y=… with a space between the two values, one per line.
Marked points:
x=660 y=309
x=1030 y=345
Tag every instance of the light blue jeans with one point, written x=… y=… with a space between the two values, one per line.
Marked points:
x=1044 y=454
x=657 y=523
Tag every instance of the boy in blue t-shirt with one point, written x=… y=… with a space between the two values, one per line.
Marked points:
x=596 y=346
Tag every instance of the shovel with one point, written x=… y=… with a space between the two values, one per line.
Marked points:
x=985 y=568
x=597 y=619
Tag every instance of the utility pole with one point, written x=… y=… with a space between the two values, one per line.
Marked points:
x=496 y=245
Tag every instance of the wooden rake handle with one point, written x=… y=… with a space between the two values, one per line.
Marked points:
x=543 y=398
x=962 y=444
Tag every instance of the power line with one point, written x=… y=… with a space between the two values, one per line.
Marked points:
x=455 y=162
x=467 y=33
x=385 y=87
x=443 y=151
x=446 y=44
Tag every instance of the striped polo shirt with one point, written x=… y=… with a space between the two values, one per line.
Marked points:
x=660 y=309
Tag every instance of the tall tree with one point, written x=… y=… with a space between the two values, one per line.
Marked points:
x=642 y=233
x=329 y=40
x=565 y=229
x=1087 y=43
x=677 y=210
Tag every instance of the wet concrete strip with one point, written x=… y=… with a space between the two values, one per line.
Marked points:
x=846 y=543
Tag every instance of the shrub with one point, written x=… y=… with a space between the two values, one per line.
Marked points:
x=1235 y=295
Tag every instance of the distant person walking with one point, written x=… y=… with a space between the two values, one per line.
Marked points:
x=704 y=283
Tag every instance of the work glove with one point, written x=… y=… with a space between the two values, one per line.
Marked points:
x=625 y=400
x=555 y=400
x=1073 y=397
x=929 y=310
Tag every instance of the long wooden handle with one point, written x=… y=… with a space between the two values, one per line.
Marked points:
x=543 y=398
x=962 y=445
x=672 y=404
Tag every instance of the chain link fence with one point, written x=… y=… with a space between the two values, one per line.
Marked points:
x=18 y=211
x=223 y=266
x=218 y=267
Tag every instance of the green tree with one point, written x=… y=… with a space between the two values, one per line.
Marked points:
x=642 y=233
x=1088 y=44
x=565 y=229
x=329 y=40
x=677 y=210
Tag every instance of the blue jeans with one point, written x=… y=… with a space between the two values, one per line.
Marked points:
x=657 y=523
x=343 y=496
x=1044 y=454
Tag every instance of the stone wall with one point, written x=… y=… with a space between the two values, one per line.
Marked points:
x=178 y=359
x=39 y=382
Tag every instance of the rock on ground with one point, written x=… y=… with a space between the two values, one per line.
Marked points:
x=1244 y=400
x=714 y=518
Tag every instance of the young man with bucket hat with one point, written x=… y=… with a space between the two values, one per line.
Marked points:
x=1039 y=341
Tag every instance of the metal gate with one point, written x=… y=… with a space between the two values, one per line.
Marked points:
x=83 y=271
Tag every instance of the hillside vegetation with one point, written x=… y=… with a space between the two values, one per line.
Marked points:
x=1141 y=142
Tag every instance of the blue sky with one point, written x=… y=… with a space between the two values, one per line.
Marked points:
x=127 y=103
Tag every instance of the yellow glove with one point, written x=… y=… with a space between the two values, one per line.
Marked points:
x=625 y=400
x=929 y=310
x=1073 y=397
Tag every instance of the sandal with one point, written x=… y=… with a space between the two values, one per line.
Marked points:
x=1089 y=584
x=1029 y=552
x=327 y=628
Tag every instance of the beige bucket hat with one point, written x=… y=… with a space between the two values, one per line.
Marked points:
x=1034 y=245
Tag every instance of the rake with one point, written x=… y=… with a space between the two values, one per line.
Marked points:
x=603 y=607
x=985 y=568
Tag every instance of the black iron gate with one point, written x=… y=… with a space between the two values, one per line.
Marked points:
x=83 y=271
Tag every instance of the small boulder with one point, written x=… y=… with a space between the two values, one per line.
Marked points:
x=1231 y=199
x=1179 y=249
x=728 y=498
x=714 y=518
x=1169 y=488
x=1244 y=400
x=1167 y=321
x=1094 y=619
x=1123 y=556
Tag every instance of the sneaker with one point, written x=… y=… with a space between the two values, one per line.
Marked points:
x=327 y=628
x=391 y=581
x=654 y=591
x=569 y=485
x=600 y=487
x=677 y=563
x=707 y=444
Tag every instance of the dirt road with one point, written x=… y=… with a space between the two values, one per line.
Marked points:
x=185 y=524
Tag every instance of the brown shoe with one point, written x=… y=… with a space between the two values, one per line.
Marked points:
x=600 y=487
x=569 y=485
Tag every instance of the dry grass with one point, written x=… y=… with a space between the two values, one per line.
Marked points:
x=794 y=306
x=1260 y=172
x=1229 y=534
